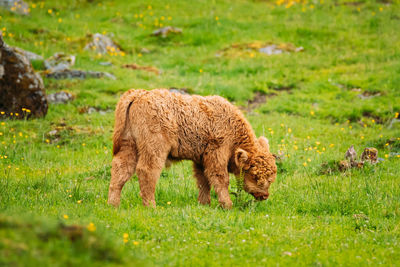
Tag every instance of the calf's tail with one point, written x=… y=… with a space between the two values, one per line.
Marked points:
x=121 y=115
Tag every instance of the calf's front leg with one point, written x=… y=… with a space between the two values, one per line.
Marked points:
x=203 y=184
x=216 y=170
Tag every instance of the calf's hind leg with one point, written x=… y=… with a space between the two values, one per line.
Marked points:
x=123 y=167
x=150 y=164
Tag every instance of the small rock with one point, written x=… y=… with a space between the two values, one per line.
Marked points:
x=279 y=49
x=16 y=6
x=182 y=91
x=351 y=154
x=59 y=62
x=107 y=63
x=288 y=253
x=165 y=31
x=144 y=51
x=52 y=133
x=368 y=95
x=60 y=97
x=103 y=44
x=270 y=50
x=78 y=74
x=91 y=110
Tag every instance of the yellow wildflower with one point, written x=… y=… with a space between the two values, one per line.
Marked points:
x=91 y=227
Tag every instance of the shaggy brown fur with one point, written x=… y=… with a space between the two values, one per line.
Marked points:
x=155 y=127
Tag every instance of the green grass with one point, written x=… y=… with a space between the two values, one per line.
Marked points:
x=348 y=219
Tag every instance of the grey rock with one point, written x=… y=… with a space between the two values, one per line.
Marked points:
x=270 y=50
x=107 y=63
x=78 y=74
x=58 y=62
x=102 y=44
x=53 y=133
x=60 y=97
x=275 y=50
x=92 y=110
x=351 y=154
x=144 y=51
x=16 y=6
x=182 y=91
x=165 y=31
x=367 y=95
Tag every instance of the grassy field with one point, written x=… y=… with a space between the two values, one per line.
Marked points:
x=343 y=89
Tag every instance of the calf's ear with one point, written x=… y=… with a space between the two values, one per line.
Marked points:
x=264 y=143
x=240 y=157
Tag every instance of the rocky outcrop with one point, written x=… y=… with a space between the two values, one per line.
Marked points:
x=59 y=66
x=78 y=74
x=21 y=88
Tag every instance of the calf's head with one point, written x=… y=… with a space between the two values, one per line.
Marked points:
x=258 y=169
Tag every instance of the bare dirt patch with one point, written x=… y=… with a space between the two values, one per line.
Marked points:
x=135 y=66
x=259 y=99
